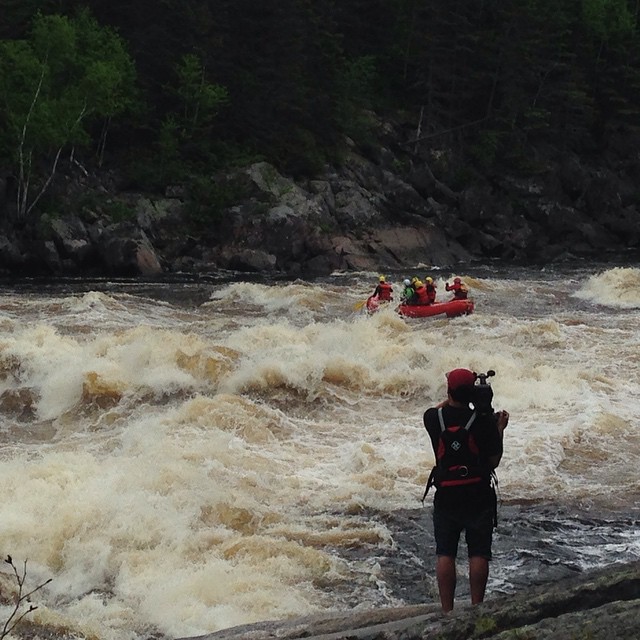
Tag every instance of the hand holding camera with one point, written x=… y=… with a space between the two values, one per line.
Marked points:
x=482 y=397
x=483 y=393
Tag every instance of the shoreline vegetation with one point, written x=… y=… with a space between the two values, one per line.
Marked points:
x=354 y=137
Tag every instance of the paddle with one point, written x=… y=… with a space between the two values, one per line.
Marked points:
x=358 y=305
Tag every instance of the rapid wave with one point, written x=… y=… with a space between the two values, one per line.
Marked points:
x=618 y=288
x=180 y=469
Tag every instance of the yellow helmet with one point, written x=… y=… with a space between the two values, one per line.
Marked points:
x=381 y=278
x=414 y=280
x=429 y=280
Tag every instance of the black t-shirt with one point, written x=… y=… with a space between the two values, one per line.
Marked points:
x=487 y=437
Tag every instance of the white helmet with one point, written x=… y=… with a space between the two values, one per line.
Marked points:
x=407 y=282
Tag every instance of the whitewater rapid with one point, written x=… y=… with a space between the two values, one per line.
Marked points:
x=179 y=464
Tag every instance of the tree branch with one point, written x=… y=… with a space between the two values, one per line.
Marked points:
x=14 y=619
x=45 y=186
x=22 y=187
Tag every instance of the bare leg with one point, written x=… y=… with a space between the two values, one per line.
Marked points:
x=478 y=575
x=446 y=575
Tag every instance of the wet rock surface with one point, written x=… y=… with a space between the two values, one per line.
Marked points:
x=593 y=604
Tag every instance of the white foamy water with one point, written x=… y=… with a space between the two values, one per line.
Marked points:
x=179 y=469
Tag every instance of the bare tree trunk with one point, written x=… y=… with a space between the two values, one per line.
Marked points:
x=23 y=177
x=76 y=163
x=45 y=186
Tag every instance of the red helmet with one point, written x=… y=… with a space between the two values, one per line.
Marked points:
x=457 y=280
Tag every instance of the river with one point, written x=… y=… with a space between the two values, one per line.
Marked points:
x=187 y=456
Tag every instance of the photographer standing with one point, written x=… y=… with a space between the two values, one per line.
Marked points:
x=467 y=443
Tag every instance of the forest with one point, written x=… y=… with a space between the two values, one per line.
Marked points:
x=175 y=90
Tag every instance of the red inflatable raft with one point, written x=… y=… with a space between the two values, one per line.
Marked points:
x=451 y=308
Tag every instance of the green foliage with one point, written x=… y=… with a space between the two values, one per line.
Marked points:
x=169 y=147
x=16 y=16
x=355 y=84
x=69 y=73
x=535 y=119
x=303 y=154
x=201 y=100
x=117 y=211
x=226 y=83
x=484 y=150
x=186 y=140
x=608 y=19
x=208 y=199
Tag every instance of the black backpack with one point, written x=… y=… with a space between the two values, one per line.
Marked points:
x=457 y=458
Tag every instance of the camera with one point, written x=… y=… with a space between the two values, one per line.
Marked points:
x=482 y=394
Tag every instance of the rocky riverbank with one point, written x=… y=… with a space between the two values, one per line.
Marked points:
x=391 y=205
x=596 y=604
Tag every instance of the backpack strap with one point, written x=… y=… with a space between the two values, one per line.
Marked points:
x=430 y=482
x=466 y=426
x=471 y=421
x=432 y=476
x=496 y=496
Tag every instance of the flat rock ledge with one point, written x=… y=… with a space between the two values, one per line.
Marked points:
x=603 y=603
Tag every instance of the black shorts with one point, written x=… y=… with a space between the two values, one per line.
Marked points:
x=449 y=523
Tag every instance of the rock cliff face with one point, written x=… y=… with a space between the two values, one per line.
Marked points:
x=391 y=205
x=598 y=604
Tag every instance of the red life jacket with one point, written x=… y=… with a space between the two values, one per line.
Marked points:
x=421 y=295
x=460 y=292
x=431 y=293
x=385 y=291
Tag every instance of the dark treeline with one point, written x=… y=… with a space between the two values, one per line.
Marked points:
x=181 y=88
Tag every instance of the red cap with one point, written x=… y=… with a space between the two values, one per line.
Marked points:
x=460 y=377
